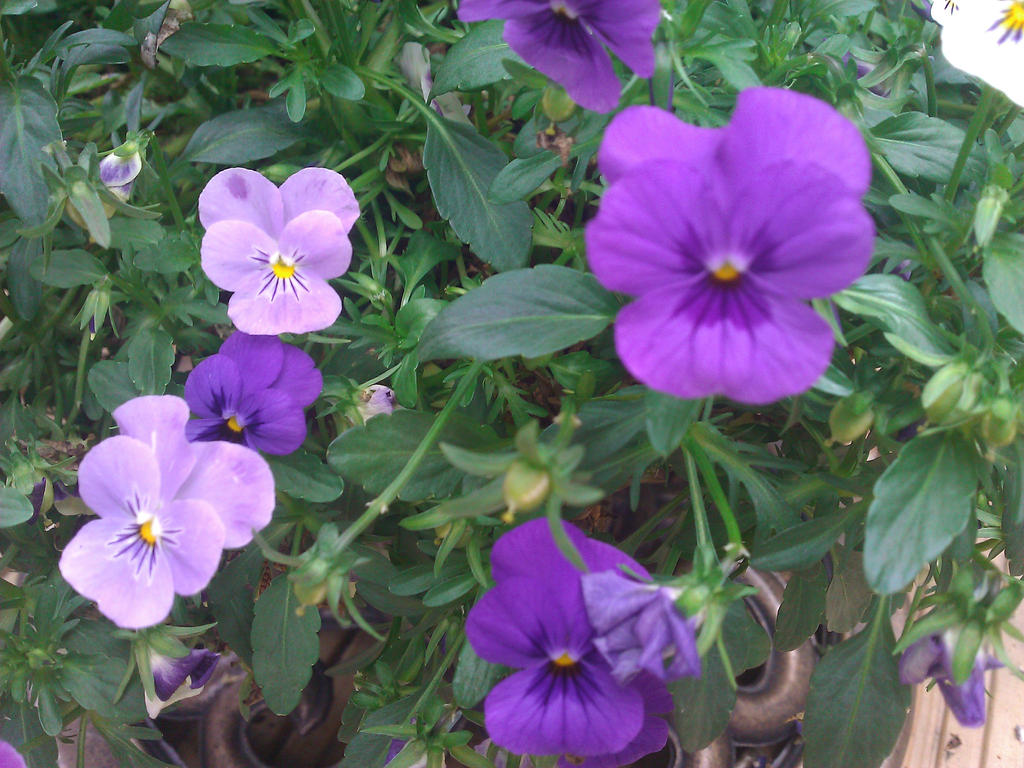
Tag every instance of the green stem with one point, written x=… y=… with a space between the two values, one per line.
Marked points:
x=83 y=725
x=165 y=181
x=974 y=127
x=717 y=494
x=5 y=67
x=929 y=81
x=379 y=505
x=562 y=540
x=435 y=681
x=83 y=351
x=956 y=282
x=700 y=515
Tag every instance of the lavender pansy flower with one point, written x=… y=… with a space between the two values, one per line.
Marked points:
x=565 y=40
x=178 y=679
x=10 y=757
x=118 y=173
x=254 y=391
x=563 y=699
x=932 y=657
x=376 y=400
x=723 y=234
x=638 y=627
x=165 y=509
x=277 y=248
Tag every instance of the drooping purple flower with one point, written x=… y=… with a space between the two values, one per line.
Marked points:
x=376 y=400
x=254 y=391
x=723 y=234
x=932 y=657
x=10 y=757
x=166 y=507
x=638 y=627
x=177 y=679
x=277 y=248
x=564 y=699
x=565 y=40
x=118 y=173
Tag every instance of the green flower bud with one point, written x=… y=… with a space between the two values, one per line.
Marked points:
x=988 y=213
x=556 y=104
x=999 y=424
x=951 y=393
x=525 y=487
x=851 y=417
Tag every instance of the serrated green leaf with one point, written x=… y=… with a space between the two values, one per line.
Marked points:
x=802 y=609
x=112 y=384
x=474 y=678
x=475 y=61
x=303 y=476
x=848 y=594
x=800 y=546
x=68 y=269
x=241 y=136
x=1004 y=276
x=668 y=418
x=29 y=124
x=921 y=146
x=217 y=45
x=150 y=357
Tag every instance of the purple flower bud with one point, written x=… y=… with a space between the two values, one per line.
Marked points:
x=933 y=657
x=118 y=173
x=177 y=679
x=9 y=757
x=376 y=400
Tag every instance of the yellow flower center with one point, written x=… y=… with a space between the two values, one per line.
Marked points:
x=147 y=534
x=1013 y=21
x=233 y=424
x=283 y=271
x=565 y=660
x=726 y=274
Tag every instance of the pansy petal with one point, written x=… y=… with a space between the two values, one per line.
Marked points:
x=726 y=341
x=627 y=27
x=237 y=482
x=205 y=430
x=504 y=632
x=130 y=589
x=299 y=376
x=773 y=125
x=652 y=738
x=159 y=421
x=967 y=701
x=479 y=10
x=274 y=422
x=568 y=54
x=169 y=673
x=642 y=133
x=10 y=757
x=235 y=254
x=262 y=358
x=318 y=242
x=238 y=194
x=977 y=41
x=656 y=226
x=115 y=475
x=586 y=712
x=925 y=658
x=192 y=539
x=313 y=309
x=119 y=171
x=214 y=387
x=320 y=189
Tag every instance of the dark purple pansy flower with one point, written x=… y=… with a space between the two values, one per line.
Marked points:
x=9 y=756
x=932 y=657
x=638 y=627
x=564 y=698
x=177 y=679
x=565 y=40
x=723 y=234
x=254 y=391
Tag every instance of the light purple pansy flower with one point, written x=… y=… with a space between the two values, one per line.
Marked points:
x=254 y=391
x=10 y=757
x=565 y=40
x=638 y=627
x=932 y=657
x=564 y=698
x=165 y=509
x=118 y=173
x=723 y=234
x=277 y=248
x=178 y=679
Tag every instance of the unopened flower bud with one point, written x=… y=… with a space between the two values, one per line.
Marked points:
x=525 y=487
x=988 y=213
x=851 y=417
x=999 y=424
x=556 y=104
x=951 y=393
x=376 y=400
x=118 y=170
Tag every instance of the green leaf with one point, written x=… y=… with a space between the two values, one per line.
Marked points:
x=342 y=82
x=848 y=594
x=174 y=254
x=285 y=645
x=217 y=45
x=802 y=609
x=668 y=418
x=474 y=678
x=461 y=164
x=448 y=589
x=921 y=502
x=150 y=357
x=19 y=725
x=369 y=750
x=15 y=508
x=897 y=307
x=243 y=135
x=523 y=175
x=856 y=705
x=26 y=291
x=68 y=269
x=1013 y=512
x=800 y=546
x=303 y=476
x=475 y=61
x=1004 y=276
x=231 y=598
x=703 y=704
x=29 y=124
x=528 y=312
x=921 y=146
x=372 y=455
x=111 y=383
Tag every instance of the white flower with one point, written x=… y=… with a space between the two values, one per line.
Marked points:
x=985 y=38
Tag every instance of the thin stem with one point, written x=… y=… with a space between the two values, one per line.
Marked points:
x=700 y=515
x=929 y=81
x=562 y=540
x=165 y=181
x=83 y=726
x=435 y=681
x=5 y=67
x=717 y=494
x=956 y=282
x=379 y=505
x=83 y=351
x=974 y=127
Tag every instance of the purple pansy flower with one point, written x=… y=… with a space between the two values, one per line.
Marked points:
x=118 y=173
x=564 y=698
x=932 y=657
x=723 y=234
x=166 y=507
x=565 y=40
x=177 y=679
x=253 y=391
x=277 y=248
x=10 y=757
x=638 y=627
